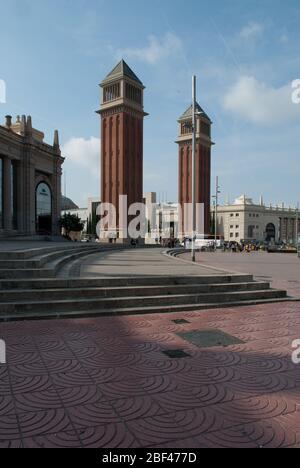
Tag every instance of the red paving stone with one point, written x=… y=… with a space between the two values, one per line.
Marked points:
x=105 y=382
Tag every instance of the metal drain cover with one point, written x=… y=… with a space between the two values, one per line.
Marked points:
x=180 y=321
x=209 y=338
x=176 y=354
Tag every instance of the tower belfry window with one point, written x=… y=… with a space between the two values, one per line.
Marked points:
x=186 y=128
x=133 y=93
x=110 y=93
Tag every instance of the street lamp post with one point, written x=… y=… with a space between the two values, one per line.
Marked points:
x=194 y=130
x=195 y=114
x=297 y=228
x=216 y=197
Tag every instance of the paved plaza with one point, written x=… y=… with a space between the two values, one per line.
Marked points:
x=145 y=380
x=107 y=383
x=138 y=262
x=282 y=270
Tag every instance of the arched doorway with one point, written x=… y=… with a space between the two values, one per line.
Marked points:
x=270 y=232
x=43 y=209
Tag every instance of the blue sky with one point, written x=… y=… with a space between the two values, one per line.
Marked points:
x=245 y=54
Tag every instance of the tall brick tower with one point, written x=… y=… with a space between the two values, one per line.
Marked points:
x=122 y=114
x=203 y=163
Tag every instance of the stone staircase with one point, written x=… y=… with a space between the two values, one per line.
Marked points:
x=32 y=287
x=43 y=262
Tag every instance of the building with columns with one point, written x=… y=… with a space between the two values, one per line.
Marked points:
x=122 y=114
x=30 y=180
x=203 y=164
x=247 y=221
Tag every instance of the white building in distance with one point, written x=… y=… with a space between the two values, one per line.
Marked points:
x=246 y=221
x=163 y=219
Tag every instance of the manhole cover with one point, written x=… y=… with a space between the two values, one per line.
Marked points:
x=209 y=338
x=176 y=354
x=180 y=321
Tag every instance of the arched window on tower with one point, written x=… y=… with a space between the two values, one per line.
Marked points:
x=112 y=92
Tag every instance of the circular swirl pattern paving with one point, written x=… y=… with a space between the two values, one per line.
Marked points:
x=105 y=382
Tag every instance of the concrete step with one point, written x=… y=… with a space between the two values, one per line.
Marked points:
x=20 y=254
x=57 y=306
x=48 y=315
x=40 y=260
x=105 y=282
x=131 y=291
x=27 y=273
x=57 y=261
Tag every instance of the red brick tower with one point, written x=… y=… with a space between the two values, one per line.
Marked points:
x=203 y=163
x=122 y=114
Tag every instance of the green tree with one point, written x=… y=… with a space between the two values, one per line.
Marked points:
x=71 y=223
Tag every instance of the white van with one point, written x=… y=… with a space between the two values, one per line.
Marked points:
x=200 y=243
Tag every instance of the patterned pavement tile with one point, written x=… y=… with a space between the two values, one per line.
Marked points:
x=109 y=374
x=199 y=421
x=9 y=427
x=71 y=379
x=173 y=366
x=110 y=436
x=6 y=404
x=207 y=376
x=62 y=366
x=104 y=382
x=270 y=433
x=44 y=422
x=55 y=354
x=61 y=440
x=178 y=400
x=84 y=395
x=30 y=383
x=250 y=410
x=37 y=401
x=93 y=415
x=235 y=437
x=181 y=444
x=262 y=385
x=15 y=358
x=11 y=444
x=157 y=430
x=138 y=407
x=158 y=384
x=29 y=369
x=194 y=397
x=148 y=369
x=124 y=388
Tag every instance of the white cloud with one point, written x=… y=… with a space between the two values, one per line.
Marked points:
x=256 y=102
x=83 y=152
x=252 y=31
x=156 y=50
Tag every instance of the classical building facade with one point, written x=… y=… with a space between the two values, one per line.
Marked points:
x=122 y=114
x=163 y=219
x=30 y=180
x=245 y=220
x=203 y=164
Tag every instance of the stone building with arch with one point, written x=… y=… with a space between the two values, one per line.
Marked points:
x=245 y=220
x=30 y=180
